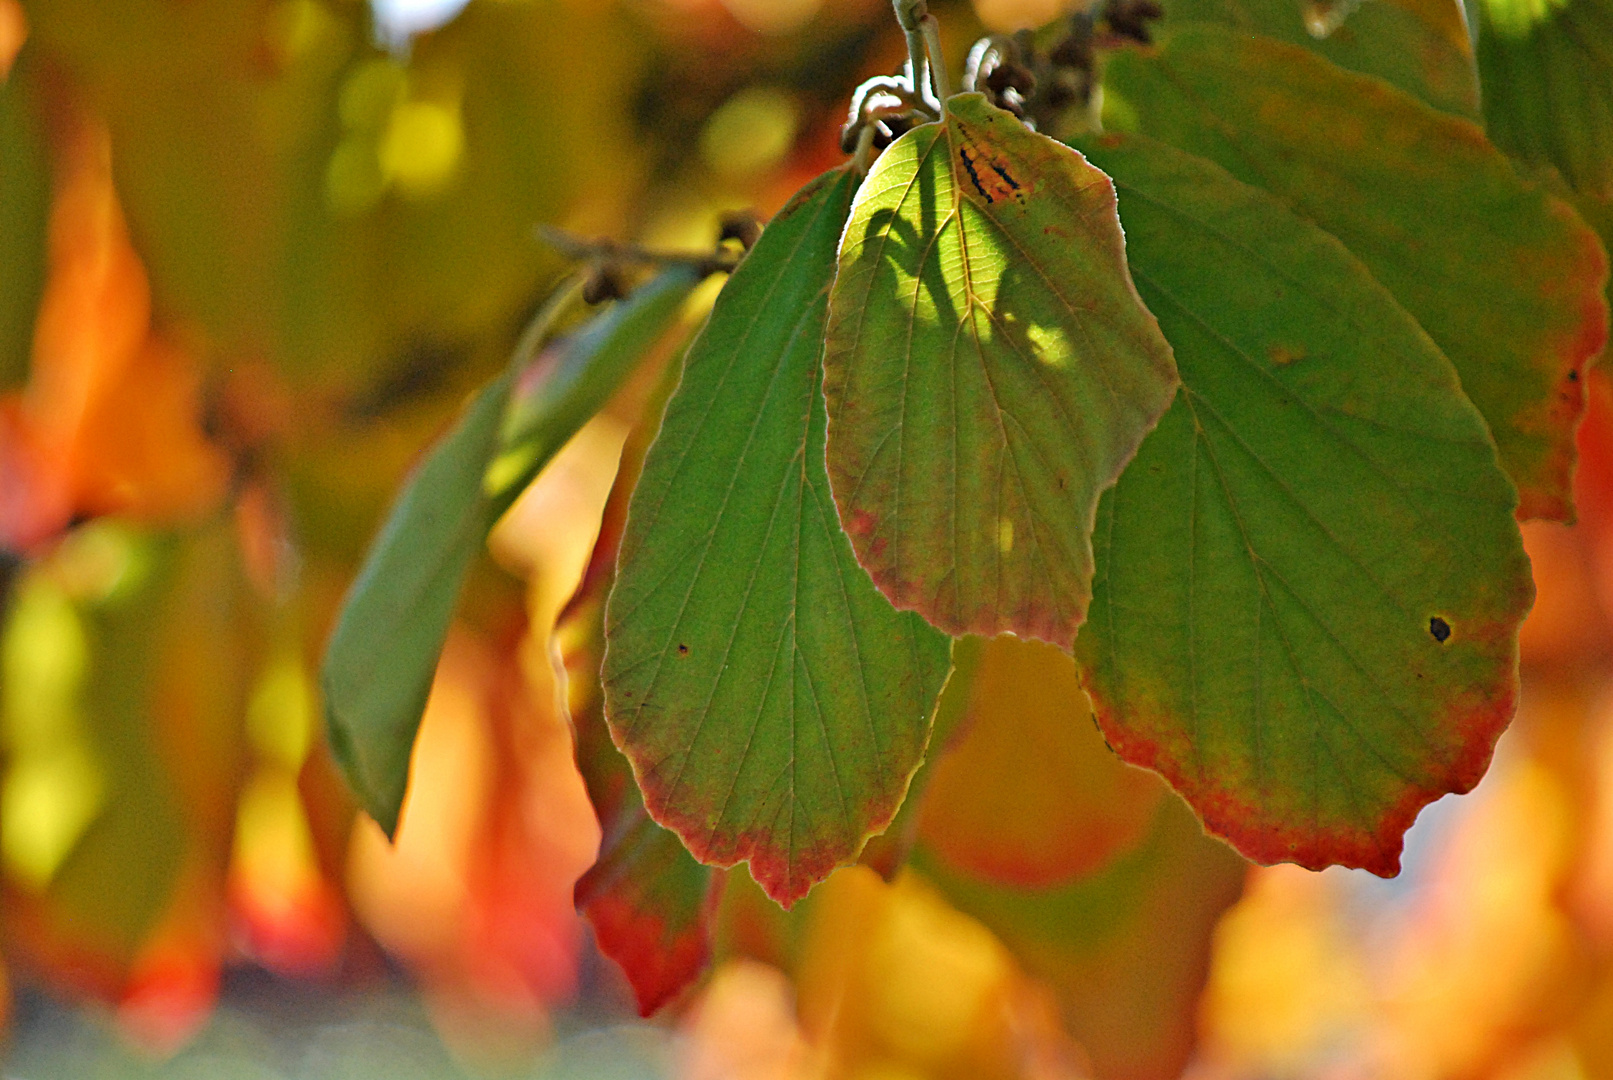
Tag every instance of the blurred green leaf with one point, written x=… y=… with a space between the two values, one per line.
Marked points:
x=383 y=654
x=121 y=874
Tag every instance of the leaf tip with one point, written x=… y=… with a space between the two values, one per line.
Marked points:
x=660 y=964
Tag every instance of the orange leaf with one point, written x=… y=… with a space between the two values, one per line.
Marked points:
x=1031 y=796
x=110 y=420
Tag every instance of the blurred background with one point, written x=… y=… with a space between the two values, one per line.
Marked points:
x=253 y=256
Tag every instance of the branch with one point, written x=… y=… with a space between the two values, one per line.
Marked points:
x=604 y=251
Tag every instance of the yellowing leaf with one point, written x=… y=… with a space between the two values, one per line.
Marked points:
x=989 y=370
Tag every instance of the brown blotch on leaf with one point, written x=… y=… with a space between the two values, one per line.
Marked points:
x=683 y=650
x=1282 y=355
x=992 y=180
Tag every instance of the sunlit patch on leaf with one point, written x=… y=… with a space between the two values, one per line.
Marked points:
x=53 y=784
x=1310 y=580
x=989 y=370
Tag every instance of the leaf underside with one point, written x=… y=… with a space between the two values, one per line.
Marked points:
x=989 y=370
x=773 y=704
x=1505 y=278
x=1310 y=580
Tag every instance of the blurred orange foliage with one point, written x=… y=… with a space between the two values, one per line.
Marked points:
x=110 y=422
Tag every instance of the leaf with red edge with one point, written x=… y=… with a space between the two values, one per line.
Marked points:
x=1030 y=795
x=647 y=898
x=1310 y=580
x=989 y=371
x=774 y=705
x=1126 y=950
x=1506 y=278
x=650 y=906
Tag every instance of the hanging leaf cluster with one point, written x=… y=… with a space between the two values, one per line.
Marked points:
x=1237 y=397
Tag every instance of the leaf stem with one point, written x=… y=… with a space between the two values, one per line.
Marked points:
x=865 y=149
x=543 y=322
x=910 y=15
x=938 y=63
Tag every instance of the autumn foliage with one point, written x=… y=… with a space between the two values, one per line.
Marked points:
x=918 y=638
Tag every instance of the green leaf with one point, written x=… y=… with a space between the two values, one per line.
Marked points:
x=1548 y=85
x=383 y=654
x=83 y=725
x=773 y=704
x=648 y=900
x=1420 y=46
x=574 y=382
x=1311 y=578
x=989 y=370
x=1125 y=951
x=1505 y=278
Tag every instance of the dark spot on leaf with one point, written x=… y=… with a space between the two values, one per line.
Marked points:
x=974 y=177
x=1439 y=628
x=995 y=184
x=683 y=650
x=1573 y=376
x=1002 y=172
